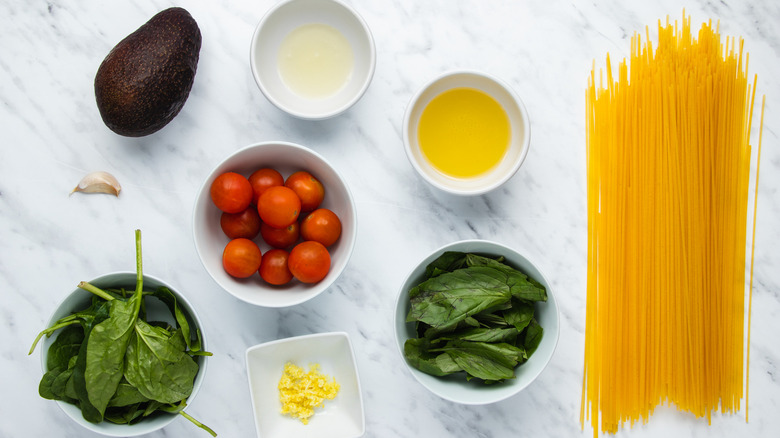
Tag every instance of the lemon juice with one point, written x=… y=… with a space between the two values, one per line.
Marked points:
x=315 y=61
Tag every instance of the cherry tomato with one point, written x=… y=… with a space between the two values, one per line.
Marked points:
x=245 y=224
x=280 y=237
x=231 y=192
x=279 y=206
x=273 y=268
x=309 y=261
x=241 y=258
x=321 y=225
x=262 y=179
x=308 y=188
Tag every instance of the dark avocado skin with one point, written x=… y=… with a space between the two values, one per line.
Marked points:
x=145 y=80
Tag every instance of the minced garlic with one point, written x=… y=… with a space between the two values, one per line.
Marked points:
x=300 y=391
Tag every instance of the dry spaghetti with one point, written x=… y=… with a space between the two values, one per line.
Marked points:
x=668 y=175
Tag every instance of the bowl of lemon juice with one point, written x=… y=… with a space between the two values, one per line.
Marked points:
x=466 y=132
x=313 y=59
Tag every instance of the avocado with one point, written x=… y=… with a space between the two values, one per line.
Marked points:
x=145 y=80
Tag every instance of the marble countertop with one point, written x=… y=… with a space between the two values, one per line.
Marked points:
x=52 y=135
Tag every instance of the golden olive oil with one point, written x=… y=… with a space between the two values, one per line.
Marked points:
x=464 y=132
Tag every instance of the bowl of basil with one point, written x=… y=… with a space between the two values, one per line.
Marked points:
x=476 y=322
x=123 y=354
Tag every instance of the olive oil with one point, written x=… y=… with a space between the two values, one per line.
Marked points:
x=464 y=132
x=315 y=61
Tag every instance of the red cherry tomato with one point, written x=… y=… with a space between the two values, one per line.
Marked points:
x=231 y=192
x=245 y=224
x=241 y=258
x=321 y=225
x=273 y=268
x=309 y=261
x=279 y=206
x=262 y=179
x=280 y=237
x=308 y=188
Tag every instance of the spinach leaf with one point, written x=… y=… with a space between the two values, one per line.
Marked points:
x=88 y=410
x=65 y=347
x=126 y=394
x=184 y=322
x=44 y=387
x=106 y=349
x=157 y=365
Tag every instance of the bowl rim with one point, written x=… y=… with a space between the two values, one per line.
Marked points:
x=325 y=114
x=399 y=341
x=324 y=284
x=119 y=430
x=525 y=121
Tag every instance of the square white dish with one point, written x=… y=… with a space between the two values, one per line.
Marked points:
x=342 y=417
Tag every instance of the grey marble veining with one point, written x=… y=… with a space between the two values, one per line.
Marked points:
x=51 y=135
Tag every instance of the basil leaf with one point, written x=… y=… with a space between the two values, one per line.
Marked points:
x=533 y=337
x=451 y=297
x=484 y=360
x=520 y=315
x=447 y=262
x=483 y=334
x=417 y=352
x=523 y=287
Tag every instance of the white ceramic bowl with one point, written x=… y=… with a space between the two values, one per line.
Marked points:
x=80 y=299
x=341 y=417
x=455 y=388
x=520 y=126
x=286 y=158
x=277 y=24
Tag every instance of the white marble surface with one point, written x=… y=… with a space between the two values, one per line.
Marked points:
x=52 y=135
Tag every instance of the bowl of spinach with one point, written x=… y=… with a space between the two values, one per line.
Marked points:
x=123 y=354
x=476 y=322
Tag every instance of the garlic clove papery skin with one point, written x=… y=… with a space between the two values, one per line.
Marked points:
x=98 y=182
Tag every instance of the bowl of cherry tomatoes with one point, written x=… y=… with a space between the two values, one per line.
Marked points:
x=274 y=224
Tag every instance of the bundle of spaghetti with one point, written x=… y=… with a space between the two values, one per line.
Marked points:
x=668 y=175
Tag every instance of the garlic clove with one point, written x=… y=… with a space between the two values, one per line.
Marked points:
x=98 y=182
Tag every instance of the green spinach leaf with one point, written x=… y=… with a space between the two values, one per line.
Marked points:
x=157 y=365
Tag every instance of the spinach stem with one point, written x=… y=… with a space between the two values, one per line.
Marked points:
x=49 y=331
x=95 y=290
x=198 y=423
x=139 y=273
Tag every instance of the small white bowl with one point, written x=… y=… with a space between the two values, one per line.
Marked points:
x=285 y=17
x=80 y=299
x=286 y=158
x=519 y=142
x=341 y=417
x=456 y=388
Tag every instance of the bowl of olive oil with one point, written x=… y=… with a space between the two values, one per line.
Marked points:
x=466 y=132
